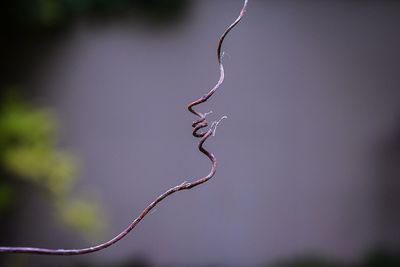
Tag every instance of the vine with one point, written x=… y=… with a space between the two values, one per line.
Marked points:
x=197 y=125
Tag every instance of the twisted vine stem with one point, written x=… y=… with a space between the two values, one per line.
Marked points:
x=197 y=125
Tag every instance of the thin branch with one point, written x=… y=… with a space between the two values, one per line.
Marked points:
x=203 y=135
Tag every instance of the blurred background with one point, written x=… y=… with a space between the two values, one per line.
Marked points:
x=93 y=126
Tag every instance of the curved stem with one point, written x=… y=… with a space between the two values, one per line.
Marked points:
x=197 y=125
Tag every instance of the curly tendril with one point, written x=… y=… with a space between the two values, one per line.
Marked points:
x=198 y=125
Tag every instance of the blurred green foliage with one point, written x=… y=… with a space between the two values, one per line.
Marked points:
x=33 y=15
x=28 y=153
x=28 y=145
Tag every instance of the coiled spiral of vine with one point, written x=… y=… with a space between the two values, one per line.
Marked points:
x=201 y=122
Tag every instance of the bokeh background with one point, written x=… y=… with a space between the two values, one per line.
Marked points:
x=93 y=126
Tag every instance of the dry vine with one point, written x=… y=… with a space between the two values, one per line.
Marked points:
x=197 y=125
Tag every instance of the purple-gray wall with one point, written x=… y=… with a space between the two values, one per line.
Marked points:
x=312 y=96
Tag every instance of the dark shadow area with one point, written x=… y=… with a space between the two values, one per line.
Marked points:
x=376 y=258
x=389 y=193
x=134 y=262
x=305 y=261
x=29 y=29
